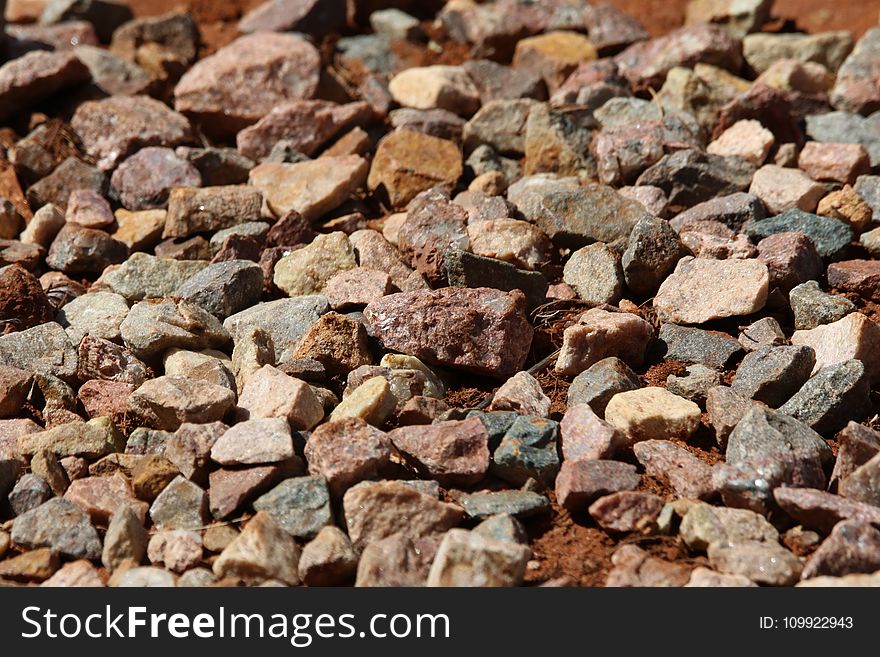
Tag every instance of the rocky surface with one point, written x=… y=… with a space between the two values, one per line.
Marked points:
x=496 y=294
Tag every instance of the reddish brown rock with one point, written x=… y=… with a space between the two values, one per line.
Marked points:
x=585 y=436
x=841 y=163
x=816 y=509
x=454 y=453
x=88 y=209
x=627 y=511
x=635 y=567
x=101 y=496
x=78 y=250
x=599 y=334
x=306 y=124
x=229 y=490
x=479 y=330
x=859 y=276
x=581 y=482
x=356 y=287
x=241 y=83
x=145 y=179
x=37 y=76
x=108 y=398
x=852 y=547
x=115 y=127
x=688 y=476
x=23 y=304
x=338 y=342
x=433 y=225
x=791 y=259
x=347 y=451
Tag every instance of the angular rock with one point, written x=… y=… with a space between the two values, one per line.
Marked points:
x=37 y=76
x=156 y=325
x=168 y=401
x=91 y=439
x=773 y=374
x=581 y=482
x=835 y=395
x=597 y=384
x=764 y=431
x=468 y=559
x=761 y=562
x=688 y=476
x=60 y=525
x=812 y=307
x=854 y=336
x=347 y=451
x=328 y=559
x=223 y=288
x=253 y=442
x=78 y=250
x=270 y=393
x=599 y=334
x=301 y=506
x=594 y=272
x=852 y=547
x=144 y=180
x=428 y=87
x=261 y=552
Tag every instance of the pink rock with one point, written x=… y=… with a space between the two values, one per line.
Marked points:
x=89 y=209
x=859 y=276
x=854 y=336
x=635 y=567
x=585 y=436
x=747 y=139
x=347 y=451
x=816 y=509
x=433 y=224
x=579 y=483
x=108 y=398
x=688 y=475
x=599 y=334
x=269 y=392
x=627 y=511
x=75 y=574
x=356 y=287
x=190 y=446
x=841 y=163
x=454 y=453
x=36 y=76
x=791 y=259
x=178 y=549
x=144 y=180
x=101 y=496
x=782 y=189
x=242 y=82
x=105 y=360
x=521 y=393
x=314 y=17
x=481 y=330
x=306 y=124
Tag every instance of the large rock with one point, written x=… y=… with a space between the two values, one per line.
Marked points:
x=653 y=412
x=263 y=551
x=61 y=525
x=439 y=327
x=314 y=17
x=854 y=336
x=37 y=76
x=455 y=453
x=469 y=559
x=44 y=349
x=763 y=431
x=168 y=401
x=599 y=334
x=156 y=325
x=194 y=210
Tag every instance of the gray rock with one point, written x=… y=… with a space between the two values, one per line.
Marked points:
x=528 y=451
x=156 y=325
x=868 y=187
x=44 y=349
x=773 y=374
x=181 y=505
x=812 y=307
x=256 y=229
x=690 y=176
x=733 y=210
x=836 y=394
x=765 y=332
x=518 y=503
x=595 y=274
x=831 y=236
x=503 y=527
x=143 y=276
x=300 y=505
x=224 y=288
x=652 y=251
x=501 y=124
x=600 y=382
x=28 y=493
x=61 y=525
x=765 y=431
x=465 y=269
x=693 y=345
x=98 y=314
x=695 y=384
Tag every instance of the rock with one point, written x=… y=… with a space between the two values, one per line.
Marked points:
x=747 y=139
x=407 y=163
x=223 y=288
x=143 y=577
x=819 y=510
x=428 y=87
x=433 y=226
x=193 y=210
x=144 y=276
x=301 y=506
x=841 y=163
x=252 y=442
x=645 y=64
x=581 y=482
x=245 y=80
x=861 y=483
x=36 y=565
x=594 y=272
x=181 y=505
x=307 y=270
x=284 y=321
x=556 y=143
x=859 y=276
x=695 y=383
x=597 y=384
x=854 y=336
x=189 y=448
x=60 y=525
x=313 y=188
x=599 y=334
x=168 y=401
x=833 y=396
x=812 y=307
x=156 y=325
x=705 y=526
x=773 y=374
x=652 y=251
x=439 y=123
x=144 y=180
x=701 y=290
x=611 y=30
x=22 y=299
x=652 y=412
x=373 y=401
x=469 y=559
x=307 y=16
x=521 y=393
x=675 y=175
x=553 y=56
x=28 y=493
x=92 y=439
x=356 y=287
x=846 y=205
x=738 y=18
x=855 y=90
x=139 y=230
x=99 y=496
x=96 y=314
x=501 y=124
x=857 y=444
x=395 y=24
x=87 y=208
x=518 y=503
x=791 y=259
x=585 y=436
x=37 y=76
x=328 y=559
x=151 y=475
x=114 y=128
x=15 y=386
x=45 y=465
x=105 y=360
x=395 y=561
x=733 y=210
x=498 y=350
x=374 y=511
x=764 y=431
x=230 y=489
x=761 y=562
x=783 y=189
x=269 y=393
x=826 y=48
x=527 y=451
x=632 y=567
x=851 y=548
x=78 y=250
x=178 y=549
x=261 y=552
x=845 y=128
x=455 y=453
x=347 y=451
x=465 y=269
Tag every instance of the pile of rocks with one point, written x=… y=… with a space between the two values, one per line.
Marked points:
x=559 y=270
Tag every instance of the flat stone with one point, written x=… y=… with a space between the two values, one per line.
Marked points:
x=469 y=559
x=198 y=210
x=307 y=270
x=143 y=276
x=313 y=188
x=374 y=511
x=98 y=314
x=144 y=180
x=465 y=269
x=852 y=547
x=301 y=506
x=60 y=525
x=356 y=287
x=254 y=442
x=245 y=80
x=92 y=439
x=518 y=503
x=499 y=350
x=407 y=163
x=328 y=559
x=761 y=562
x=373 y=401
x=830 y=236
x=833 y=396
x=689 y=477
x=581 y=482
x=510 y=240
x=597 y=384
x=705 y=525
x=107 y=361
x=584 y=436
x=168 y=401
x=156 y=325
x=854 y=336
x=812 y=307
x=826 y=48
x=223 y=288
x=773 y=374
x=652 y=412
x=819 y=510
x=101 y=496
x=36 y=565
x=347 y=451
x=717 y=175
x=455 y=453
x=783 y=189
x=262 y=551
x=764 y=431
x=600 y=334
x=732 y=210
x=270 y=393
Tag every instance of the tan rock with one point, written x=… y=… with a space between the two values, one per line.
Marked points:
x=653 y=413
x=598 y=334
x=747 y=139
x=372 y=401
x=854 y=336
x=782 y=189
x=428 y=87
